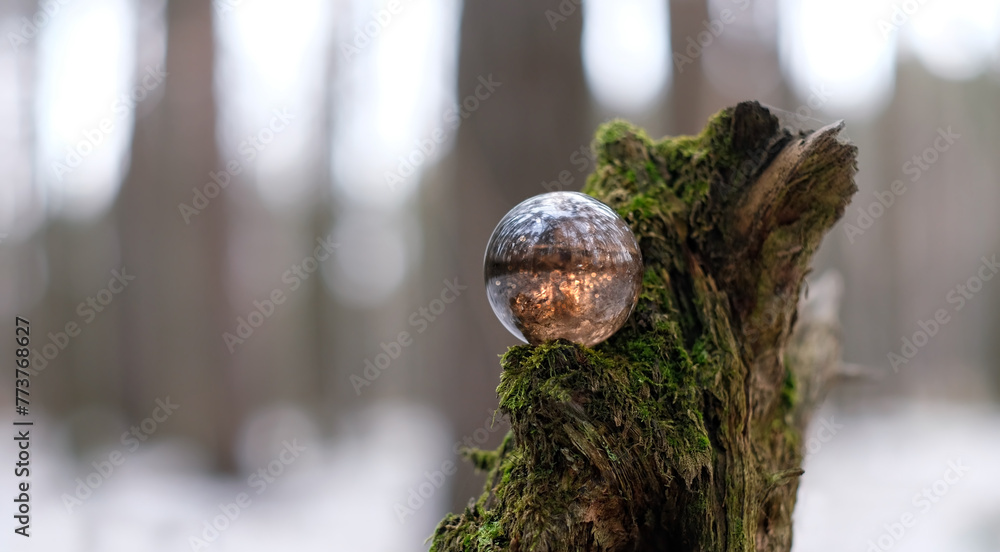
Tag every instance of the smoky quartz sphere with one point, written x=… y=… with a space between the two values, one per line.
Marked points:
x=563 y=265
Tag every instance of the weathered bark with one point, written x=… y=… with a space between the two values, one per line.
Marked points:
x=682 y=431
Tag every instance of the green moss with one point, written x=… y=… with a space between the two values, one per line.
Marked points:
x=789 y=396
x=488 y=533
x=664 y=175
x=603 y=410
x=616 y=436
x=483 y=460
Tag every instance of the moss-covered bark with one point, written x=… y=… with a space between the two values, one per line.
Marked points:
x=682 y=431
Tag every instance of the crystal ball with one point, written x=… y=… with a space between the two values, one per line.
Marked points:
x=562 y=265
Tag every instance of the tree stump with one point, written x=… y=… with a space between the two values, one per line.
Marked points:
x=682 y=432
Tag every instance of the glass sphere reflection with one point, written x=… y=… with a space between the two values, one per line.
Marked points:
x=562 y=265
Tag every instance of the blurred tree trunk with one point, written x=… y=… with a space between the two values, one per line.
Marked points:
x=536 y=114
x=687 y=100
x=178 y=303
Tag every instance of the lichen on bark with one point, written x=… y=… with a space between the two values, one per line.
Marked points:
x=682 y=431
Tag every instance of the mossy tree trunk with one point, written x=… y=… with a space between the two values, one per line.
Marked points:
x=683 y=431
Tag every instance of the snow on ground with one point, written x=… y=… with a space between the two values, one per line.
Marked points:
x=863 y=487
x=331 y=497
x=907 y=478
